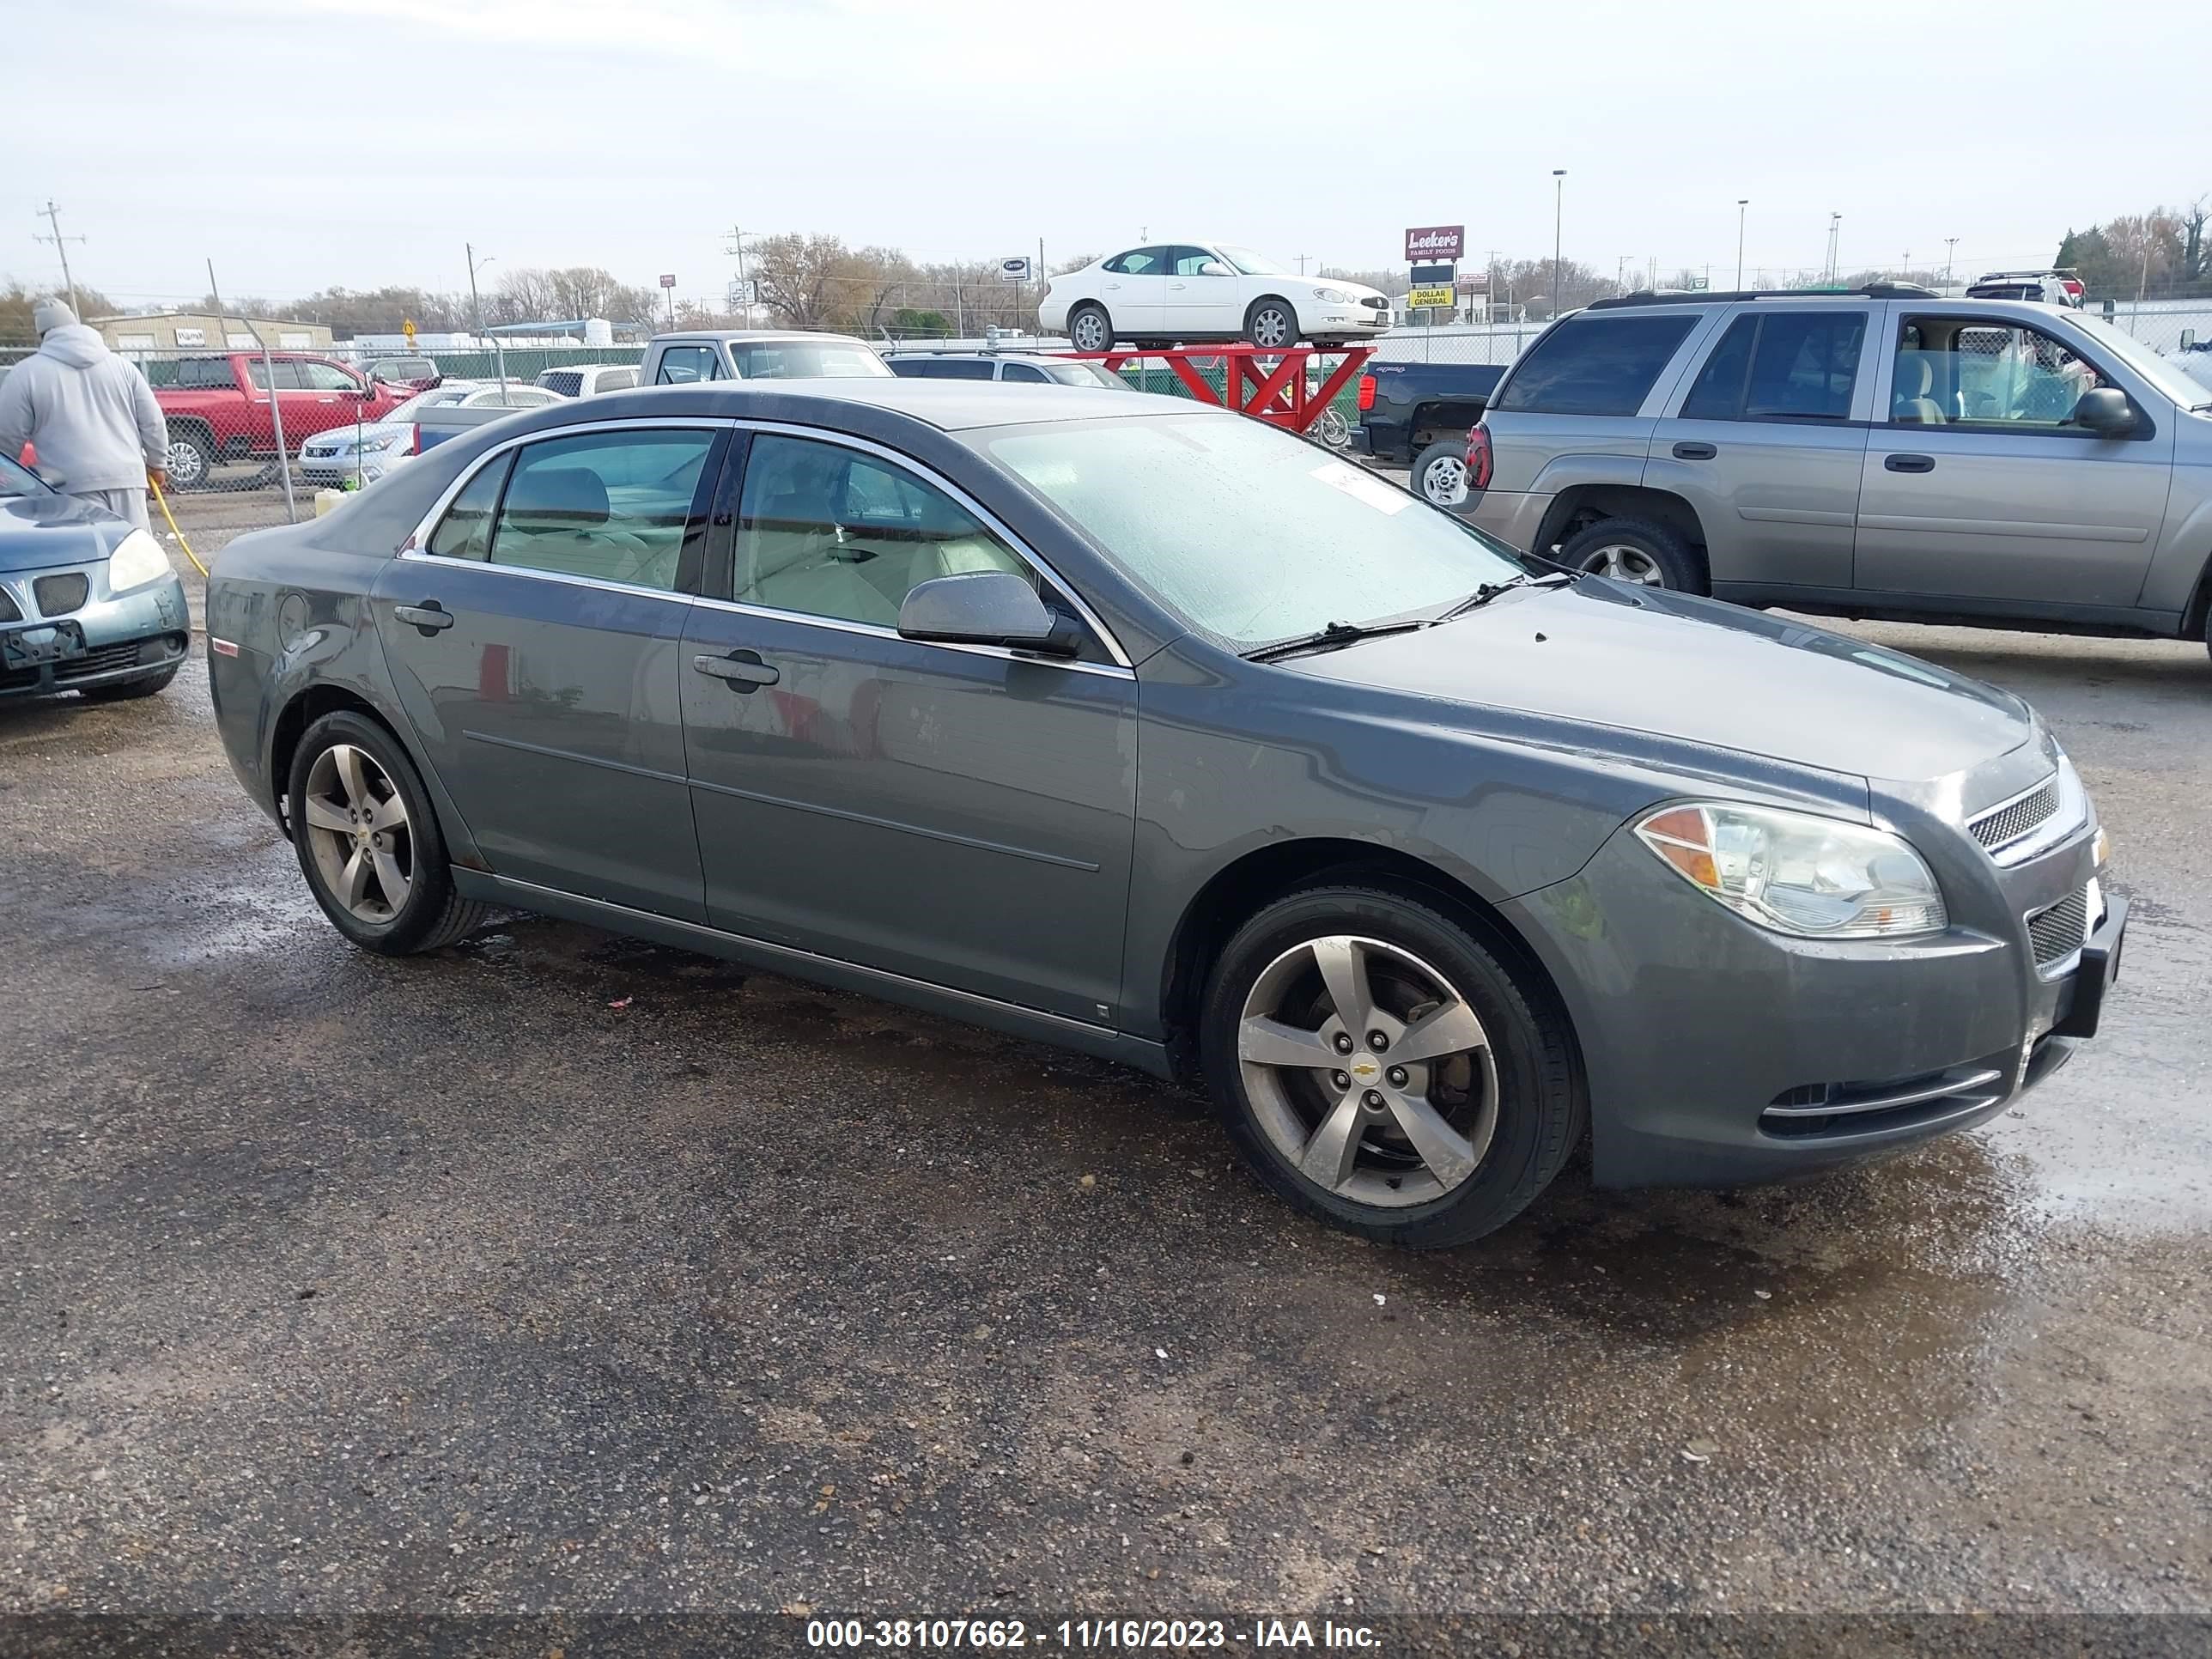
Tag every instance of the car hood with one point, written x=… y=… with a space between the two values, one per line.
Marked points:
x=39 y=531
x=1645 y=660
x=341 y=436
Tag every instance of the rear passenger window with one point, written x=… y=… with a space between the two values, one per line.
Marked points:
x=1781 y=366
x=1596 y=365
x=465 y=530
x=1024 y=372
x=611 y=505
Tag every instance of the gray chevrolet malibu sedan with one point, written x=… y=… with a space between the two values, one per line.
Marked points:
x=1153 y=732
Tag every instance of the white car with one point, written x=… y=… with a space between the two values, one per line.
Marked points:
x=1168 y=292
x=369 y=452
x=589 y=379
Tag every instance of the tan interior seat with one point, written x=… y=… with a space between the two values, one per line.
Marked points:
x=1910 y=399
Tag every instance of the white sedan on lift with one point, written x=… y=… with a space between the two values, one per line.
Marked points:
x=1170 y=292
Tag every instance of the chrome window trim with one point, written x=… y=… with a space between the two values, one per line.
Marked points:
x=415 y=555
x=872 y=630
x=416 y=546
x=937 y=480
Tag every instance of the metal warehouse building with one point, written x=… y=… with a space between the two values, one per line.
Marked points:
x=170 y=331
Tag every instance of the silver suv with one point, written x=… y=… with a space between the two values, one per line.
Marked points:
x=1881 y=453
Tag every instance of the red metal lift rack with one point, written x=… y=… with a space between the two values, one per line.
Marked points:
x=1250 y=386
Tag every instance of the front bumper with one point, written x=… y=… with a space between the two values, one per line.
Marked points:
x=1722 y=1054
x=1346 y=320
x=124 y=636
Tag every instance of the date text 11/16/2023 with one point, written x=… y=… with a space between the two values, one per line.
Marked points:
x=1127 y=1635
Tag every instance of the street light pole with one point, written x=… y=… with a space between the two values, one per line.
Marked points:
x=1950 y=251
x=498 y=351
x=1741 y=203
x=1558 y=210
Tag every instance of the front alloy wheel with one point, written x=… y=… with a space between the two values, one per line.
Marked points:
x=1382 y=1066
x=1368 y=1071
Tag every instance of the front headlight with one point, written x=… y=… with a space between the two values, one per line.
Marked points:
x=1813 y=876
x=381 y=444
x=1335 y=296
x=137 y=559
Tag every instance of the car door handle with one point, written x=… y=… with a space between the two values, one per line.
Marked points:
x=1908 y=463
x=1177 y=287
x=430 y=615
x=1695 y=452
x=744 y=671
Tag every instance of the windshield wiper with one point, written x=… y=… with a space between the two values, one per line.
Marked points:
x=1336 y=634
x=1489 y=591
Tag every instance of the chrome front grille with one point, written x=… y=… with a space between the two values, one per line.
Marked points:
x=1813 y=1111
x=2058 y=932
x=2016 y=818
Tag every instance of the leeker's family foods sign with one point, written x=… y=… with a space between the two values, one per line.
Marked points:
x=1431 y=243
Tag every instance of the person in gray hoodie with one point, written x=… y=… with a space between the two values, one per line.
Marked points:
x=91 y=414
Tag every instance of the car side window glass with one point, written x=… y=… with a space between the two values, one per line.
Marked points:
x=327 y=377
x=620 y=380
x=1596 y=365
x=287 y=372
x=681 y=365
x=830 y=531
x=1185 y=261
x=1022 y=372
x=1141 y=261
x=465 y=530
x=1718 y=393
x=1983 y=373
x=611 y=505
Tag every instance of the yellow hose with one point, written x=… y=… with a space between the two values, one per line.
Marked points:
x=163 y=501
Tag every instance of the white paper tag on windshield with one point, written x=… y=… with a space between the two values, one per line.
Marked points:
x=1362 y=486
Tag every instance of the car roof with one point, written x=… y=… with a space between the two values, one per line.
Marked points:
x=979 y=355
x=859 y=404
x=690 y=334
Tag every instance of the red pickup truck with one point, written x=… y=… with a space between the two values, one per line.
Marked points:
x=219 y=408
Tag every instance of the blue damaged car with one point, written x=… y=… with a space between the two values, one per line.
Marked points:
x=88 y=603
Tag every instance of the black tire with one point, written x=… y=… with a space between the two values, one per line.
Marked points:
x=433 y=914
x=1088 y=321
x=1272 y=322
x=190 y=459
x=1645 y=546
x=1445 y=454
x=138 y=685
x=1539 y=1110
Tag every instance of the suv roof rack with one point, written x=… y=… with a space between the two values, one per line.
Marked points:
x=1706 y=297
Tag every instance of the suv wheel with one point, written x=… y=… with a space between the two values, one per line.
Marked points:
x=1440 y=473
x=1635 y=550
x=368 y=842
x=1377 y=1065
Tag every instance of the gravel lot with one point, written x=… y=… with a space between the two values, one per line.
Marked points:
x=558 y=1271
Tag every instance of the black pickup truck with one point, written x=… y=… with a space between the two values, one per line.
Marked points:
x=1406 y=409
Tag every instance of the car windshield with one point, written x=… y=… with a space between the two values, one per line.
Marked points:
x=1250 y=534
x=1251 y=264
x=2166 y=376
x=807 y=360
x=16 y=480
x=1085 y=374
x=448 y=393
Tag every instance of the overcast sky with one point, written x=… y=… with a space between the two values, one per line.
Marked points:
x=301 y=144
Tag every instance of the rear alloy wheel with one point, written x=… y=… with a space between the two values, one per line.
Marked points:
x=1637 y=551
x=368 y=842
x=1089 y=329
x=1379 y=1067
x=1440 y=473
x=1272 y=325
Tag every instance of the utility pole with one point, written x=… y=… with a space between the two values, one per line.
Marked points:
x=1835 y=229
x=61 y=246
x=1741 y=203
x=737 y=247
x=1302 y=258
x=1950 y=251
